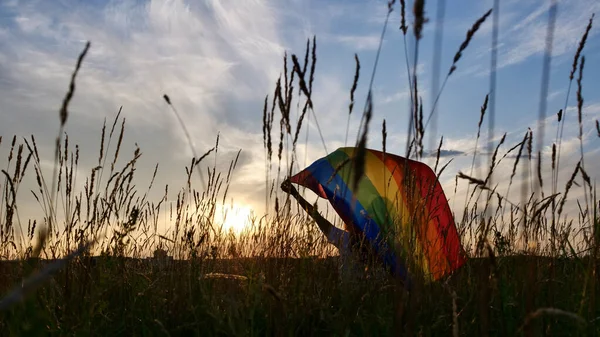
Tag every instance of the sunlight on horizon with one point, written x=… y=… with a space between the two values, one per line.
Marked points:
x=236 y=217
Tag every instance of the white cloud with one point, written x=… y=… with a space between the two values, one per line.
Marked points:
x=395 y=97
x=214 y=60
x=357 y=42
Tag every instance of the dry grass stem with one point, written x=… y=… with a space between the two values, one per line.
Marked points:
x=65 y=104
x=420 y=19
x=403 y=26
x=354 y=84
x=550 y=312
x=359 y=159
x=187 y=135
x=470 y=33
x=437 y=156
x=567 y=188
x=383 y=136
x=480 y=183
x=580 y=47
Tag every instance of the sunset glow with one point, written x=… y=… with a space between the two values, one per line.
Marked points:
x=236 y=217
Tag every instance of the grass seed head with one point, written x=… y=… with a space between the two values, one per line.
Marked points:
x=470 y=33
x=354 y=84
x=403 y=26
x=383 y=136
x=420 y=19
x=580 y=47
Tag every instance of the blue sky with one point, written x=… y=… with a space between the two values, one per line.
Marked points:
x=218 y=59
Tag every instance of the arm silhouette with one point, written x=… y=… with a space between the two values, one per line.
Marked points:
x=323 y=224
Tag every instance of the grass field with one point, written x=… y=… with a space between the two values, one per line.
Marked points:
x=119 y=296
x=86 y=268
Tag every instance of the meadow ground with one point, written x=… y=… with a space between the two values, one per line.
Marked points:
x=108 y=296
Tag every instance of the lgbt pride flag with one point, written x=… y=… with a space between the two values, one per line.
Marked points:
x=399 y=205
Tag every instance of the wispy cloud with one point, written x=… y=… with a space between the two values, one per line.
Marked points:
x=522 y=34
x=364 y=42
x=213 y=59
x=395 y=97
x=444 y=153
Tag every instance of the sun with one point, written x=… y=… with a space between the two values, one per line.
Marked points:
x=235 y=217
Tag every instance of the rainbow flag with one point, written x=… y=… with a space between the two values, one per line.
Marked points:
x=399 y=205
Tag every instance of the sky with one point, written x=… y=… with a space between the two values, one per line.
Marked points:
x=217 y=60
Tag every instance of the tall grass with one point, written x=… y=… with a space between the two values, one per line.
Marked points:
x=99 y=262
